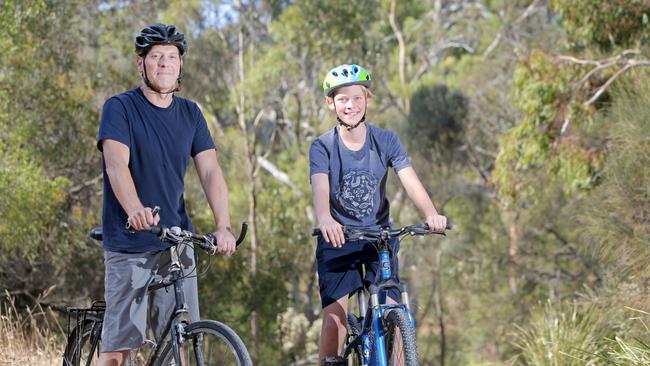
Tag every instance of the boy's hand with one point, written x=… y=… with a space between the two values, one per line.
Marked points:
x=437 y=223
x=332 y=232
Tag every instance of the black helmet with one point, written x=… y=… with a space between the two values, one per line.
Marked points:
x=159 y=34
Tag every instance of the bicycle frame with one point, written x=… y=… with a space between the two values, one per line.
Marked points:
x=372 y=328
x=180 y=319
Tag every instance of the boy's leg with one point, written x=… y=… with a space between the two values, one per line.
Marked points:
x=334 y=329
x=338 y=277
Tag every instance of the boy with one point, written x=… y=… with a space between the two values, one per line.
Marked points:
x=348 y=168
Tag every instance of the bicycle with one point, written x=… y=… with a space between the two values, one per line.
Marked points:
x=205 y=342
x=381 y=329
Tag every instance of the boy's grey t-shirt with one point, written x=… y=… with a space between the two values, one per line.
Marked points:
x=358 y=178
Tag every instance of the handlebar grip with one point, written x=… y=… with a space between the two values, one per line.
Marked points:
x=242 y=233
x=450 y=225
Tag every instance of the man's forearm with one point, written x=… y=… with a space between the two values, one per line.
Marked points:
x=216 y=192
x=123 y=186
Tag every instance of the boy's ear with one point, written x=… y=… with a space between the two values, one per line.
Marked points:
x=330 y=103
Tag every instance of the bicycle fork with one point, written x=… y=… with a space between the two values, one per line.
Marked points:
x=178 y=325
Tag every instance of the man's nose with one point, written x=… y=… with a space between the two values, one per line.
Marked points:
x=164 y=61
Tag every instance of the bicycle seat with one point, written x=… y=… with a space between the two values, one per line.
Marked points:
x=97 y=233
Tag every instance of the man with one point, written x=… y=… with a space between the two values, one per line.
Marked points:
x=147 y=136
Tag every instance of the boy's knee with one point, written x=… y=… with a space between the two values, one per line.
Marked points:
x=334 y=322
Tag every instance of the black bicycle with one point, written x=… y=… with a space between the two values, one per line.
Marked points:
x=205 y=342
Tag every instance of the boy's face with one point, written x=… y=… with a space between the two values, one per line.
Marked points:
x=349 y=103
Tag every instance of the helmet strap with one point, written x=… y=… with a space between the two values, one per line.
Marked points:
x=349 y=127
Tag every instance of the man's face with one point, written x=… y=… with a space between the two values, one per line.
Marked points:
x=349 y=103
x=163 y=64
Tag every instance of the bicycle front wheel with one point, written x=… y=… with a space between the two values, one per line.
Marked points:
x=400 y=339
x=353 y=332
x=209 y=343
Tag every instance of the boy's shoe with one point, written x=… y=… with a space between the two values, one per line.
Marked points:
x=334 y=361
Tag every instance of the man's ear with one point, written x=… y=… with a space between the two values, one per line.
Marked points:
x=139 y=61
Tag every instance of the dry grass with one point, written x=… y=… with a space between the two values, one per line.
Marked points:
x=31 y=338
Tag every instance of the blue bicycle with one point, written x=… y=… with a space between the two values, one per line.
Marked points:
x=382 y=334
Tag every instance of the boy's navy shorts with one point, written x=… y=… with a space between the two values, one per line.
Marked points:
x=339 y=269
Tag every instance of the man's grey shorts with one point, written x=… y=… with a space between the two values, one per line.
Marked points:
x=126 y=282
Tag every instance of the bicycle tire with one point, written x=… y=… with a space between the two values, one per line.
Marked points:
x=79 y=349
x=398 y=321
x=219 y=344
x=353 y=332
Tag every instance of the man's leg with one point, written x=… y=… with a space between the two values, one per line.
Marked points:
x=112 y=358
x=125 y=279
x=334 y=329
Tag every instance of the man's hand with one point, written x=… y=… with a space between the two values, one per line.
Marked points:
x=142 y=218
x=332 y=232
x=225 y=241
x=437 y=223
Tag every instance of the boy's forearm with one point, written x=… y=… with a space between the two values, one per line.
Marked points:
x=416 y=192
x=320 y=193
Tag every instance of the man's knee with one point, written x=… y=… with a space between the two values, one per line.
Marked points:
x=115 y=358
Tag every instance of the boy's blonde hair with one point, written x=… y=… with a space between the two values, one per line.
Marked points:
x=366 y=91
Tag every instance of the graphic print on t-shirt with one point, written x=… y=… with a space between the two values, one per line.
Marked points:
x=356 y=193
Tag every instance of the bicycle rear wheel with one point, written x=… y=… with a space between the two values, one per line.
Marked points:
x=83 y=344
x=208 y=343
x=400 y=339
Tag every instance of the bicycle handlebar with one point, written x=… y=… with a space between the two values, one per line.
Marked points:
x=416 y=229
x=176 y=235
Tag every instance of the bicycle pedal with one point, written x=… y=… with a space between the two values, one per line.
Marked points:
x=334 y=361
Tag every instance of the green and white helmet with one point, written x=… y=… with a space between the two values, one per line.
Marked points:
x=345 y=75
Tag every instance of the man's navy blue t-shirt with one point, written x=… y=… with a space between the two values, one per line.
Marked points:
x=358 y=178
x=161 y=142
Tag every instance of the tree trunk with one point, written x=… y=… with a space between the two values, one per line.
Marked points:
x=249 y=151
x=513 y=251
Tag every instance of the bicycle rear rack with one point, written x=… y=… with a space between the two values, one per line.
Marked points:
x=96 y=311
